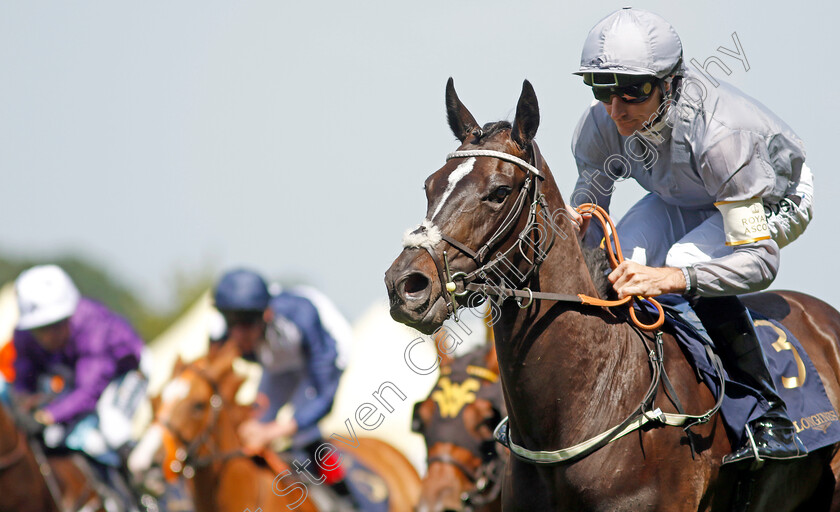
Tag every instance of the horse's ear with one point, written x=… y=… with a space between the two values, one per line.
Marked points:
x=527 y=118
x=213 y=349
x=179 y=365
x=490 y=362
x=222 y=360
x=231 y=385
x=460 y=120
x=440 y=340
x=154 y=401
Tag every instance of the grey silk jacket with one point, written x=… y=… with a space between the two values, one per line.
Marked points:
x=716 y=144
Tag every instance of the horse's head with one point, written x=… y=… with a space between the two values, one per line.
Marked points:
x=187 y=413
x=457 y=422
x=478 y=209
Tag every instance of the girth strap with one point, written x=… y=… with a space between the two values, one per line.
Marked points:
x=637 y=420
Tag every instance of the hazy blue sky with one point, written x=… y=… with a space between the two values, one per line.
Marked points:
x=295 y=137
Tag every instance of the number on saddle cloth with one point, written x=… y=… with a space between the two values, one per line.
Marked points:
x=794 y=375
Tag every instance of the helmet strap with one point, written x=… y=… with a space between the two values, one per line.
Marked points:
x=654 y=128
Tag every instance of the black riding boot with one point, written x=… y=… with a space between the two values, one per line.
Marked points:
x=730 y=326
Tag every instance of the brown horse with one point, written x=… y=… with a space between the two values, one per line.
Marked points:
x=465 y=466
x=195 y=435
x=23 y=487
x=570 y=370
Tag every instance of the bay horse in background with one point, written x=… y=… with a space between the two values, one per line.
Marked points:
x=570 y=371
x=464 y=464
x=23 y=488
x=194 y=434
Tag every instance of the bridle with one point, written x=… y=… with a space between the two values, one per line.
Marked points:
x=183 y=454
x=457 y=284
x=486 y=478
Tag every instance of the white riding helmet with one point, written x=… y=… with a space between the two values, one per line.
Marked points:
x=45 y=295
x=632 y=42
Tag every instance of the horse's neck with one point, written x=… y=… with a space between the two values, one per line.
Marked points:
x=225 y=435
x=569 y=362
x=223 y=440
x=205 y=485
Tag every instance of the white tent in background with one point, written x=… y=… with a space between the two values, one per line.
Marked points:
x=186 y=337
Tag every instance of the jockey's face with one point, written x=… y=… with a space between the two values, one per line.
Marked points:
x=246 y=330
x=631 y=117
x=53 y=337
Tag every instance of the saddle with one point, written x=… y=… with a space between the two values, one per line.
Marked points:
x=794 y=375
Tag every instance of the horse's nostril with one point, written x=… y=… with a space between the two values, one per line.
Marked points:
x=415 y=283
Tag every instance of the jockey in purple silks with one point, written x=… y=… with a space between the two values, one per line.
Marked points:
x=80 y=361
x=728 y=188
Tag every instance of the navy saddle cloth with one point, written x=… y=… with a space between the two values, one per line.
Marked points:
x=794 y=375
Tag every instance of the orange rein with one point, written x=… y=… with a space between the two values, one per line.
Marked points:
x=616 y=258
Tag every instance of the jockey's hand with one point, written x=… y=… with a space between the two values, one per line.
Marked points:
x=631 y=278
x=256 y=435
x=44 y=417
x=579 y=222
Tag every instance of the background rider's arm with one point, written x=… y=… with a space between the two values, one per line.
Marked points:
x=321 y=353
x=95 y=368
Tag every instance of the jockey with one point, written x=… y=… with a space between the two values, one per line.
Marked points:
x=77 y=364
x=728 y=187
x=288 y=335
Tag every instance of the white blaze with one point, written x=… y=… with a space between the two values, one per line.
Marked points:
x=431 y=236
x=176 y=390
x=457 y=175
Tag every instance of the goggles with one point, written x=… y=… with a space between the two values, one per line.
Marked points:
x=245 y=318
x=606 y=85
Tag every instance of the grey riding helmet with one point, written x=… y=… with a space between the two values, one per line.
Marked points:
x=628 y=46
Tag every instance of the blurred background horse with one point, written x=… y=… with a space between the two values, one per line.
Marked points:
x=465 y=465
x=32 y=482
x=194 y=435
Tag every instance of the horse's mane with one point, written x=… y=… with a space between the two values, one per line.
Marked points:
x=598 y=265
x=490 y=129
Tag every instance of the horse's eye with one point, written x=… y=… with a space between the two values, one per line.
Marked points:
x=199 y=406
x=499 y=195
